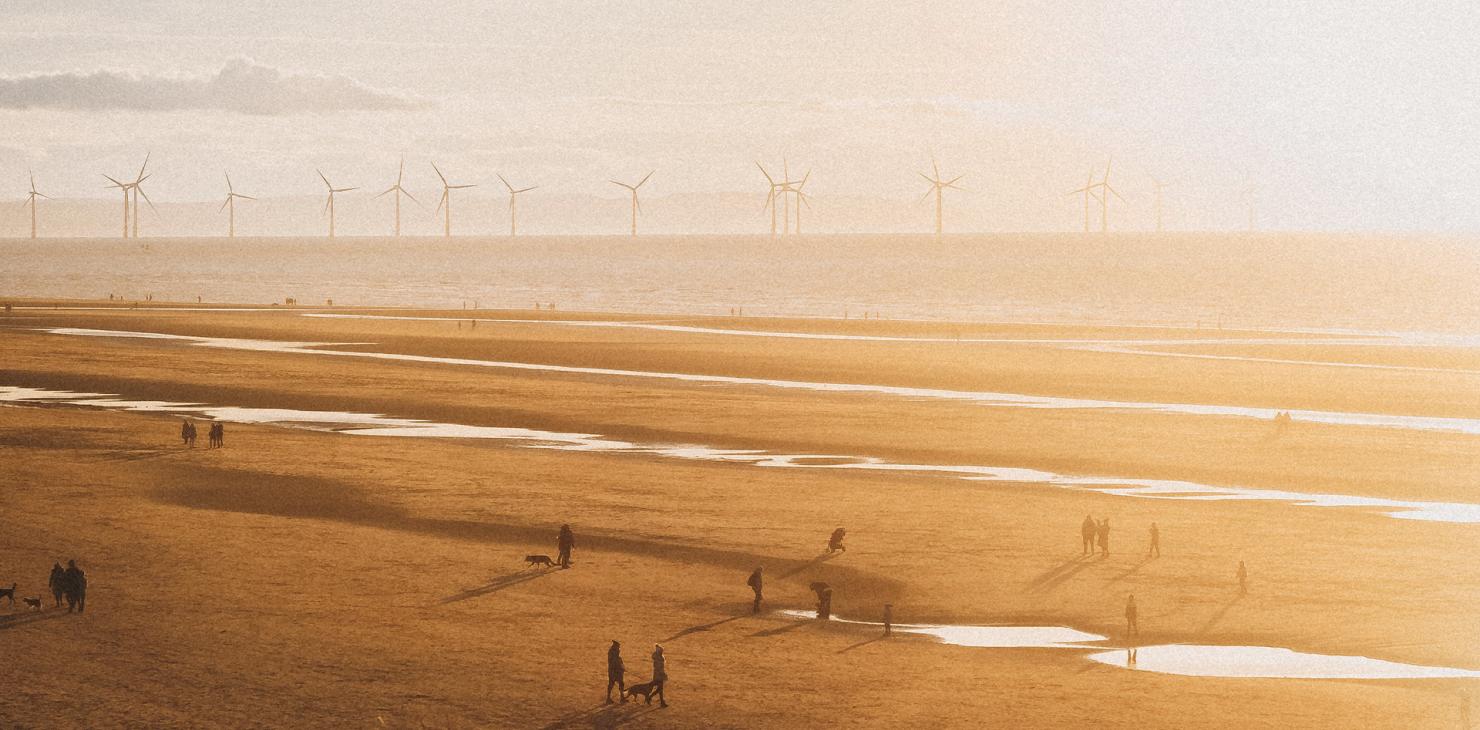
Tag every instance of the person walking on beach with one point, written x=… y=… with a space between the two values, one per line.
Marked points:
x=74 y=584
x=1155 y=548
x=824 y=604
x=615 y=672
x=565 y=542
x=1102 y=532
x=185 y=432
x=1243 y=579
x=1131 y=627
x=1087 y=531
x=660 y=674
x=755 y=586
x=57 y=583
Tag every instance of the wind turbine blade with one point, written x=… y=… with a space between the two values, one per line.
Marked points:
x=505 y=182
x=325 y=179
x=328 y=200
x=954 y=180
x=146 y=164
x=387 y=192
x=644 y=179
x=936 y=166
x=1106 y=179
x=439 y=173
x=441 y=201
x=344 y=190
x=767 y=174
x=525 y=190
x=400 y=172
x=460 y=187
x=1112 y=192
x=625 y=185
x=44 y=195
x=409 y=195
x=244 y=197
x=115 y=184
x=224 y=204
x=928 y=178
x=146 y=199
x=228 y=182
x=925 y=197
x=804 y=180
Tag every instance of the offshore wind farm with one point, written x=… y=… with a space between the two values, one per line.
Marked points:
x=673 y=365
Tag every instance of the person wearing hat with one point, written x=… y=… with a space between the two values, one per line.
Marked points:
x=614 y=672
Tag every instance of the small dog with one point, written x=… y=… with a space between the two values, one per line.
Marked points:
x=33 y=603
x=646 y=690
x=9 y=593
x=544 y=560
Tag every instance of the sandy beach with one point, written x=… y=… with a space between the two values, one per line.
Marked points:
x=312 y=576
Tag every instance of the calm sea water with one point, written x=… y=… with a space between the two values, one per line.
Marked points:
x=1305 y=281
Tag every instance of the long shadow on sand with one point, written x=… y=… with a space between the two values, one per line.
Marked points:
x=1219 y=614
x=21 y=619
x=701 y=627
x=251 y=492
x=1053 y=577
x=602 y=716
x=860 y=644
x=142 y=454
x=495 y=585
x=813 y=563
x=1129 y=571
x=782 y=629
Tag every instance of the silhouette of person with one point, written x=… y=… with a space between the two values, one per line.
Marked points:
x=75 y=586
x=835 y=543
x=1131 y=627
x=888 y=619
x=57 y=583
x=565 y=542
x=1155 y=548
x=1087 y=531
x=614 y=672
x=1243 y=579
x=660 y=674
x=755 y=585
x=185 y=432
x=1103 y=534
x=824 y=603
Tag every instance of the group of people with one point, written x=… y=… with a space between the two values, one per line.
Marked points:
x=1095 y=534
x=215 y=435
x=69 y=583
x=1282 y=421
x=616 y=674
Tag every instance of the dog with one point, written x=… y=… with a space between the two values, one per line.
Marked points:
x=33 y=603
x=646 y=690
x=543 y=560
x=9 y=593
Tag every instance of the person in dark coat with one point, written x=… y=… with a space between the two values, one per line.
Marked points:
x=755 y=585
x=835 y=543
x=1087 y=531
x=74 y=583
x=57 y=583
x=565 y=542
x=660 y=674
x=615 y=672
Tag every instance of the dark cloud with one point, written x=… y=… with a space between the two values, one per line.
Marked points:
x=241 y=86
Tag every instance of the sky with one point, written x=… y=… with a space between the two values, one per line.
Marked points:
x=1327 y=116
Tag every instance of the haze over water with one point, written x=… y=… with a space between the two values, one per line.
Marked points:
x=1264 y=280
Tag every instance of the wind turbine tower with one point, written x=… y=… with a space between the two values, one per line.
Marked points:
x=31 y=199
x=636 y=207
x=399 y=191
x=138 y=187
x=446 y=201
x=329 y=204
x=939 y=186
x=1088 y=190
x=514 y=205
x=125 y=187
x=230 y=203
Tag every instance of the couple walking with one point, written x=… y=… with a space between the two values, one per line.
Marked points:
x=1095 y=534
x=616 y=671
x=70 y=583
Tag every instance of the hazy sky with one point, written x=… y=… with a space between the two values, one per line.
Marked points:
x=1341 y=115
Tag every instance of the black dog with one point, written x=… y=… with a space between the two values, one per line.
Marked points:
x=9 y=593
x=544 y=560
x=646 y=690
x=33 y=603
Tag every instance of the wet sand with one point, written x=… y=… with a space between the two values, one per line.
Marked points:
x=324 y=579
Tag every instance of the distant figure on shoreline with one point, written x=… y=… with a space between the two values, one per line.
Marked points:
x=835 y=543
x=660 y=674
x=824 y=604
x=1087 y=531
x=888 y=619
x=57 y=583
x=755 y=585
x=564 y=542
x=1243 y=579
x=217 y=435
x=74 y=584
x=615 y=672
x=1155 y=548
x=186 y=432
x=1131 y=627
x=1102 y=533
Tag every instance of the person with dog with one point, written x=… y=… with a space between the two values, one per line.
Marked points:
x=57 y=583
x=615 y=672
x=660 y=674
x=755 y=585
x=75 y=585
x=565 y=542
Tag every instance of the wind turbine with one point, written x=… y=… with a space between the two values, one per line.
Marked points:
x=513 y=204
x=31 y=199
x=1105 y=192
x=802 y=199
x=125 y=187
x=231 y=196
x=329 y=204
x=938 y=186
x=399 y=191
x=447 y=200
x=1159 y=186
x=1088 y=190
x=138 y=188
x=635 y=206
x=770 y=196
